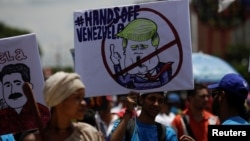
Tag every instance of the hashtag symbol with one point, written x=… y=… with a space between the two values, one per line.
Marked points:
x=79 y=21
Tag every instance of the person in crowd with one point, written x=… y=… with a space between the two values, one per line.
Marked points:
x=47 y=72
x=229 y=96
x=247 y=104
x=195 y=119
x=119 y=105
x=64 y=95
x=89 y=117
x=175 y=102
x=143 y=127
x=104 y=118
x=166 y=116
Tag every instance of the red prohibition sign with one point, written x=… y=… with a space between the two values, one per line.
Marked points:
x=158 y=51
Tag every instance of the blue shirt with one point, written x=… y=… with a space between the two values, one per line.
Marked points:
x=148 y=132
x=7 y=137
x=235 y=120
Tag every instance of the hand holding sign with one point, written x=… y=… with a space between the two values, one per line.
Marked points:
x=131 y=103
x=115 y=57
x=131 y=100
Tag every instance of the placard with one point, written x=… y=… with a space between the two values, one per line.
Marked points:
x=141 y=47
x=20 y=63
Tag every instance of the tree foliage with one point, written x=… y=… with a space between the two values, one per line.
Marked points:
x=235 y=15
x=8 y=31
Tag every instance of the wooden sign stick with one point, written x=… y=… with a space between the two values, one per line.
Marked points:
x=33 y=106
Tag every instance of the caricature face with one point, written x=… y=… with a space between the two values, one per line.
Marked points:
x=135 y=51
x=12 y=90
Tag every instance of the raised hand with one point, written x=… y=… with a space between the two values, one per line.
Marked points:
x=115 y=57
x=131 y=100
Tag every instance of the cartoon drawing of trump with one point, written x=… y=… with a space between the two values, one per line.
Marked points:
x=142 y=66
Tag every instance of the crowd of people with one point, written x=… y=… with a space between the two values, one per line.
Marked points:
x=168 y=116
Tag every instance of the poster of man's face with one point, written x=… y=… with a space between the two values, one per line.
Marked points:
x=12 y=90
x=20 y=64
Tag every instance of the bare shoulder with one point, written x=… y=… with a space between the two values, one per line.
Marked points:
x=84 y=126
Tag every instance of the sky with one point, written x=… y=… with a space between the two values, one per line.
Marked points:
x=52 y=22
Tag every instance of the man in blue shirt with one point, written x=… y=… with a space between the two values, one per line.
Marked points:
x=145 y=127
x=229 y=97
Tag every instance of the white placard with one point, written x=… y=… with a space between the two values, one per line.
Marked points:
x=19 y=63
x=143 y=47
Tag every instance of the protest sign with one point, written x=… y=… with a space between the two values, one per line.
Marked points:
x=140 y=47
x=20 y=63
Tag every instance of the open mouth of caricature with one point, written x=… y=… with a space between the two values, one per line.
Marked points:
x=15 y=95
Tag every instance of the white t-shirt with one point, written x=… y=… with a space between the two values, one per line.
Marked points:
x=164 y=118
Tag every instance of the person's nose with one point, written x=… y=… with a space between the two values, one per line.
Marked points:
x=157 y=102
x=206 y=98
x=83 y=102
